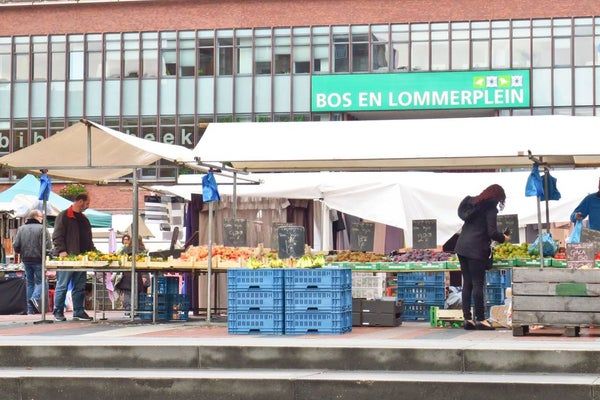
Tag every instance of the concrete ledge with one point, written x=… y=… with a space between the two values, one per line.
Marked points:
x=94 y=384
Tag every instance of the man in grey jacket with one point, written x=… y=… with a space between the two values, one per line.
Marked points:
x=28 y=243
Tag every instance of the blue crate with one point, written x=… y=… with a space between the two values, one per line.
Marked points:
x=145 y=302
x=418 y=312
x=255 y=300
x=255 y=323
x=298 y=300
x=168 y=307
x=264 y=278
x=437 y=278
x=315 y=322
x=502 y=277
x=494 y=295
x=422 y=294
x=318 y=278
x=167 y=284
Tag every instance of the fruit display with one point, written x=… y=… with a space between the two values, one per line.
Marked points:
x=92 y=256
x=510 y=251
x=306 y=261
x=421 y=255
x=224 y=252
x=355 y=256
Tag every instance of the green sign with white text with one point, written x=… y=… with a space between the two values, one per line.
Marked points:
x=420 y=91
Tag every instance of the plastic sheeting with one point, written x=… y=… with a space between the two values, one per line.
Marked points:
x=397 y=198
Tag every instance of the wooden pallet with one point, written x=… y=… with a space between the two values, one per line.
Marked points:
x=566 y=298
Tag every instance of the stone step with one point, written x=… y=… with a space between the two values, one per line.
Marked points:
x=311 y=354
x=309 y=384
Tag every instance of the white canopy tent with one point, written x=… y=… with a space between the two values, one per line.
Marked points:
x=397 y=198
x=417 y=144
x=89 y=152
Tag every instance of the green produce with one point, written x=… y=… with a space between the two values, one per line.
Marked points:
x=510 y=251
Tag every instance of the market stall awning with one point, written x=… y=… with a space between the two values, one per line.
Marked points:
x=415 y=144
x=112 y=154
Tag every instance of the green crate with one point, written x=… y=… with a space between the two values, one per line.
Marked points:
x=389 y=266
x=558 y=263
x=434 y=265
x=455 y=265
x=533 y=263
x=503 y=263
x=364 y=266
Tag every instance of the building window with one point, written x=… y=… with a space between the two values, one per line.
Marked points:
x=341 y=55
x=5 y=59
x=21 y=58
x=283 y=51
x=131 y=55
x=321 y=42
x=500 y=44
x=187 y=54
x=76 y=56
x=562 y=52
x=244 y=51
x=225 y=44
x=94 y=56
x=301 y=42
x=206 y=53
x=440 y=47
x=360 y=48
x=168 y=60
x=150 y=55
x=262 y=52
x=113 y=56
x=58 y=58
x=40 y=58
x=379 y=48
x=400 y=47
x=419 y=50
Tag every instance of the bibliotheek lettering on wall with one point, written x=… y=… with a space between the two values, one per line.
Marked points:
x=421 y=91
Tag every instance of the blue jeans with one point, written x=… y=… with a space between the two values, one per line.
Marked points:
x=77 y=293
x=33 y=273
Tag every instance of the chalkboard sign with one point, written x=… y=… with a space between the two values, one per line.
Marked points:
x=291 y=240
x=361 y=236
x=510 y=221
x=590 y=235
x=424 y=233
x=235 y=232
x=274 y=238
x=580 y=255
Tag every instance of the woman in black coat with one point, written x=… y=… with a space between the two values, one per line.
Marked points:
x=473 y=249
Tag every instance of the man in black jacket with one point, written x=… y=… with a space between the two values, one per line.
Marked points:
x=72 y=235
x=28 y=243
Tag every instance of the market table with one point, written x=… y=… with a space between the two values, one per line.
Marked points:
x=195 y=268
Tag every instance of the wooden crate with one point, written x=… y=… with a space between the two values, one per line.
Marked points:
x=567 y=298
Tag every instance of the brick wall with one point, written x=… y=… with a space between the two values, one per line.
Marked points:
x=196 y=14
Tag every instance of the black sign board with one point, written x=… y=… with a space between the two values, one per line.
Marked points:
x=580 y=255
x=424 y=233
x=274 y=238
x=510 y=221
x=235 y=232
x=590 y=235
x=361 y=236
x=291 y=240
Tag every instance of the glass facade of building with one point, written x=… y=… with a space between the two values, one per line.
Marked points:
x=164 y=85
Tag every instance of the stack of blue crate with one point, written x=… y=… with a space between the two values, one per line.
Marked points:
x=255 y=301
x=420 y=291
x=170 y=305
x=497 y=281
x=318 y=301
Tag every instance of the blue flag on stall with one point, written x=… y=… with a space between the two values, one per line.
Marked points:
x=210 y=192
x=45 y=187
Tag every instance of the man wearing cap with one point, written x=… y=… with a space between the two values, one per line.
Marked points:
x=589 y=206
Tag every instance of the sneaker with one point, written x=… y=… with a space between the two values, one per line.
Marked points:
x=82 y=316
x=35 y=304
x=59 y=316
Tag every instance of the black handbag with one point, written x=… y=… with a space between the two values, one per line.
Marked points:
x=450 y=244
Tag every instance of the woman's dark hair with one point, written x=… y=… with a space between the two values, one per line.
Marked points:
x=125 y=236
x=493 y=193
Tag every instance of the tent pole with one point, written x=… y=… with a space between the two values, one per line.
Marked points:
x=89 y=145
x=44 y=288
x=547 y=200
x=209 y=269
x=540 y=231
x=234 y=206
x=134 y=247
